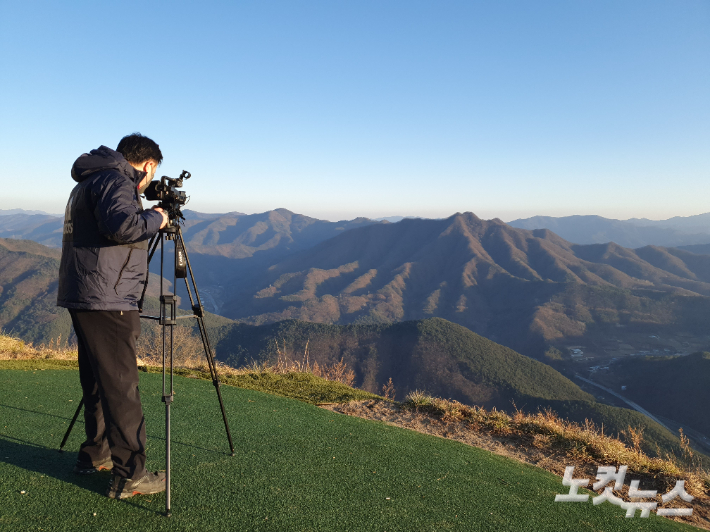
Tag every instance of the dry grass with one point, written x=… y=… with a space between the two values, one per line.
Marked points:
x=337 y=372
x=584 y=442
x=12 y=348
x=188 y=353
x=288 y=363
x=187 y=348
x=388 y=390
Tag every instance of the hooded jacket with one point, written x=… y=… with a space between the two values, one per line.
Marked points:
x=106 y=232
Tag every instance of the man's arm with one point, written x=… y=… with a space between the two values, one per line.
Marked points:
x=119 y=216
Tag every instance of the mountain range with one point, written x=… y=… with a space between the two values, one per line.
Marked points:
x=234 y=234
x=30 y=225
x=270 y=234
x=28 y=292
x=633 y=233
x=523 y=288
x=517 y=287
x=6 y=212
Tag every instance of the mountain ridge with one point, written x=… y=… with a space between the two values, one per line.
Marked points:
x=631 y=233
x=580 y=229
x=477 y=273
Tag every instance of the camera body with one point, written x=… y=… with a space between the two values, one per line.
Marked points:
x=171 y=199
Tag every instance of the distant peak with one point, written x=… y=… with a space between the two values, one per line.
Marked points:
x=468 y=215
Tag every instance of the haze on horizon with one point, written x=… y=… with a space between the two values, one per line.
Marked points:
x=509 y=109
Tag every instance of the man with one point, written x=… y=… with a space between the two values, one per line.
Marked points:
x=101 y=277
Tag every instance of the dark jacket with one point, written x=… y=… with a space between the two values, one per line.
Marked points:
x=106 y=233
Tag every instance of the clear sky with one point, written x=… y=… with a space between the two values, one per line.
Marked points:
x=337 y=109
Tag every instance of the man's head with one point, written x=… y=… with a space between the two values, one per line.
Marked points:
x=142 y=154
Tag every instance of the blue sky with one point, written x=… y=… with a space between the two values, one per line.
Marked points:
x=338 y=109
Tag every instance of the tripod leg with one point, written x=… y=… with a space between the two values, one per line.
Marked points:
x=71 y=425
x=210 y=360
x=168 y=401
x=199 y=313
x=167 y=319
x=215 y=378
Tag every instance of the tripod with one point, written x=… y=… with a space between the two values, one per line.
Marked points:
x=167 y=319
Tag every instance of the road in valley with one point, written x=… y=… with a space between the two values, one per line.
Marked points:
x=630 y=403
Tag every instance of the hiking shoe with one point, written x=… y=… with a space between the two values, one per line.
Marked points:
x=122 y=488
x=87 y=468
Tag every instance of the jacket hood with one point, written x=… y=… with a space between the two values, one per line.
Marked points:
x=100 y=159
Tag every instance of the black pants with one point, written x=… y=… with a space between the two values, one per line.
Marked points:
x=113 y=414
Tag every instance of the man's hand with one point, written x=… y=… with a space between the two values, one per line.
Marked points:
x=165 y=216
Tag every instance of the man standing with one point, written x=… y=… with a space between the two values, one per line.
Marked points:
x=101 y=276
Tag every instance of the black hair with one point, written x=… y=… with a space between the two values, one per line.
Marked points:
x=137 y=149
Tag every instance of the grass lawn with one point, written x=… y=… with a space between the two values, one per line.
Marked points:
x=297 y=467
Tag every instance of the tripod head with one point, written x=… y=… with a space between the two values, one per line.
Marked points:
x=171 y=199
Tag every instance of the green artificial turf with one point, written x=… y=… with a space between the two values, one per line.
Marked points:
x=302 y=386
x=297 y=467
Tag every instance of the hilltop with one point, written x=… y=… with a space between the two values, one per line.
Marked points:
x=436 y=355
x=439 y=357
x=299 y=466
x=273 y=233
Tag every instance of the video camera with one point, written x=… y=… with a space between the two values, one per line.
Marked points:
x=166 y=192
